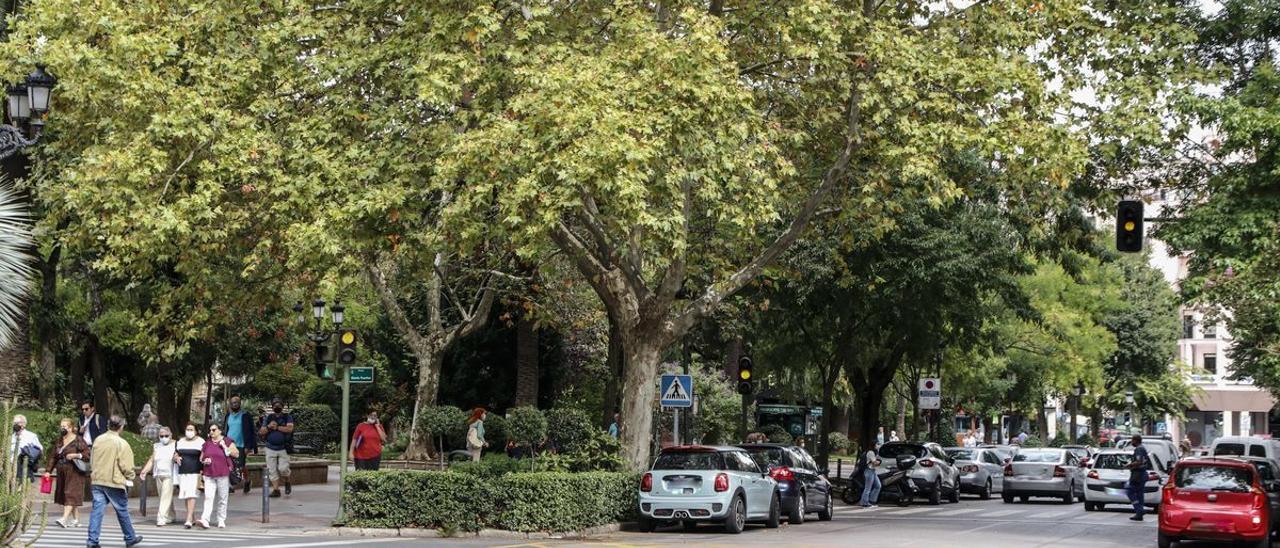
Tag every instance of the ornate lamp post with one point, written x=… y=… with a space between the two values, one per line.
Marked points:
x=326 y=342
x=28 y=103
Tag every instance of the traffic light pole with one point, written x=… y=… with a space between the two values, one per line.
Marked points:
x=346 y=439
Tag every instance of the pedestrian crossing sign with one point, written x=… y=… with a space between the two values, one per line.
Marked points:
x=677 y=391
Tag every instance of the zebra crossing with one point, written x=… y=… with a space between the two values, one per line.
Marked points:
x=995 y=510
x=76 y=537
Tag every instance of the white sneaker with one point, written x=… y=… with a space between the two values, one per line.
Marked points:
x=203 y=524
x=75 y=523
x=60 y=523
x=222 y=525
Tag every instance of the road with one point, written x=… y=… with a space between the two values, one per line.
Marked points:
x=972 y=522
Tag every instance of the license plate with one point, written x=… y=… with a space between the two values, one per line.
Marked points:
x=1216 y=527
x=1116 y=491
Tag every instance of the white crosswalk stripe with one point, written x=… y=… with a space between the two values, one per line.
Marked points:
x=56 y=537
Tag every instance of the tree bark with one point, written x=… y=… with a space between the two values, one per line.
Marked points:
x=429 y=364
x=612 y=384
x=526 y=361
x=831 y=375
x=76 y=381
x=902 y=415
x=641 y=354
x=98 y=368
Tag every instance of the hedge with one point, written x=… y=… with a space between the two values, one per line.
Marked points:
x=524 y=502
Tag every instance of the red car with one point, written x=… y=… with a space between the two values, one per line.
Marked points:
x=1214 y=499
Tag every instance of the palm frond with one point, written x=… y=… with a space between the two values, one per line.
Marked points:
x=15 y=263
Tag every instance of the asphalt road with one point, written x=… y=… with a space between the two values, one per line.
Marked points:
x=971 y=522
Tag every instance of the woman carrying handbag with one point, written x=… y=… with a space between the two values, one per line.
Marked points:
x=69 y=491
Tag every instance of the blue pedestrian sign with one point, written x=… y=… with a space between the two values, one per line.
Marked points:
x=677 y=391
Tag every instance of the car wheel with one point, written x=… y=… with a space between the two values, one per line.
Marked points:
x=795 y=515
x=737 y=518
x=647 y=524
x=1071 y=494
x=775 y=513
x=986 y=491
x=1024 y=498
x=954 y=497
x=1163 y=540
x=935 y=496
x=1089 y=507
x=828 y=509
x=1264 y=543
x=1008 y=498
x=689 y=525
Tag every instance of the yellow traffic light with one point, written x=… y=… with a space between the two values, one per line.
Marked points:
x=1129 y=226
x=348 y=337
x=744 y=374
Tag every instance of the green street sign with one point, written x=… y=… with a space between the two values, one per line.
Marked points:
x=360 y=374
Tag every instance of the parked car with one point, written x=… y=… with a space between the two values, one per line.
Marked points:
x=1167 y=451
x=1217 y=500
x=1006 y=452
x=1082 y=452
x=933 y=474
x=1108 y=475
x=981 y=470
x=1269 y=475
x=1048 y=472
x=1232 y=446
x=695 y=483
x=802 y=487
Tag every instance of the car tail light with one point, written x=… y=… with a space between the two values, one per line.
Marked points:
x=1059 y=472
x=782 y=473
x=1259 y=498
x=969 y=469
x=1093 y=474
x=1152 y=476
x=646 y=482
x=926 y=463
x=722 y=482
x=1166 y=495
x=1008 y=469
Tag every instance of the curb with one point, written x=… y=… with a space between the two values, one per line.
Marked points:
x=415 y=532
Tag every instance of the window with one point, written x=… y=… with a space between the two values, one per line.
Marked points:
x=688 y=460
x=1257 y=451
x=1113 y=461
x=1038 y=456
x=731 y=461
x=1215 y=478
x=890 y=451
x=961 y=454
x=1188 y=327
x=769 y=458
x=1228 y=450
x=745 y=463
x=992 y=458
x=1211 y=363
x=1210 y=330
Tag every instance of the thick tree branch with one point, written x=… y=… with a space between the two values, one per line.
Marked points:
x=378 y=278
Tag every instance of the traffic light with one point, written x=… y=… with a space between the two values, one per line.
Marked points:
x=325 y=356
x=744 y=375
x=347 y=347
x=324 y=371
x=1129 y=226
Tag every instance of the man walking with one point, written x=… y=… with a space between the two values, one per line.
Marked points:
x=112 y=472
x=92 y=424
x=276 y=429
x=1138 y=468
x=241 y=432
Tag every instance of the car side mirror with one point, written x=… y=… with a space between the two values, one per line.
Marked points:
x=1273 y=486
x=823 y=471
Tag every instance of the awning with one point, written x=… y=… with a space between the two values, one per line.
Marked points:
x=1258 y=401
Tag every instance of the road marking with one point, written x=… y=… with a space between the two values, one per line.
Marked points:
x=959 y=511
x=901 y=512
x=347 y=542
x=1046 y=515
x=1002 y=513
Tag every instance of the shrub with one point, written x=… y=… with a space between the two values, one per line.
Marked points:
x=526 y=502
x=599 y=453
x=1033 y=441
x=315 y=425
x=526 y=425
x=1059 y=440
x=441 y=421
x=495 y=430
x=569 y=427
x=777 y=434
x=839 y=442
x=1086 y=440
x=489 y=466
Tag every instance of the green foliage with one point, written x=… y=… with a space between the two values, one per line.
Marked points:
x=141 y=446
x=1086 y=440
x=527 y=426
x=719 y=405
x=600 y=452
x=569 y=428
x=15 y=264
x=526 y=502
x=777 y=434
x=1060 y=439
x=839 y=443
x=16 y=500
x=317 y=426
x=277 y=381
x=495 y=430
x=441 y=421
x=490 y=465
x=1033 y=441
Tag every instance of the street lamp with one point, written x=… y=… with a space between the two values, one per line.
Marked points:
x=28 y=102
x=337 y=309
x=326 y=342
x=1128 y=400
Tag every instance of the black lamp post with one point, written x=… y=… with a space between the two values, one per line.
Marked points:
x=326 y=345
x=28 y=103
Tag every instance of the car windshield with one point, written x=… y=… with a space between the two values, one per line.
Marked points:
x=1113 y=461
x=1214 y=478
x=1229 y=449
x=961 y=454
x=1079 y=452
x=689 y=460
x=893 y=450
x=768 y=458
x=1031 y=455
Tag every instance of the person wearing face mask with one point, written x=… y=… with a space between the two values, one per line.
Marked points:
x=217 y=455
x=188 y=451
x=69 y=491
x=276 y=429
x=240 y=431
x=366 y=443
x=165 y=468
x=28 y=447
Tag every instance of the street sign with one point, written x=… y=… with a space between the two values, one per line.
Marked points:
x=677 y=391
x=360 y=374
x=930 y=393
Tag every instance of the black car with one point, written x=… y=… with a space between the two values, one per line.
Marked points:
x=803 y=486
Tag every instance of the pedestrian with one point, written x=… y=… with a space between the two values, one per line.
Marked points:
x=69 y=492
x=112 y=473
x=1138 y=469
x=1022 y=437
x=870 y=481
x=218 y=456
x=164 y=466
x=188 y=459
x=28 y=450
x=879 y=438
x=151 y=430
x=893 y=435
x=241 y=431
x=614 y=427
x=366 y=443
x=475 y=433
x=91 y=424
x=144 y=417
x=276 y=428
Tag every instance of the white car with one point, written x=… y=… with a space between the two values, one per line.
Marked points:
x=695 y=483
x=1109 y=473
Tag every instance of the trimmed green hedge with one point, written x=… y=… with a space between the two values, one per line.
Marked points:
x=525 y=502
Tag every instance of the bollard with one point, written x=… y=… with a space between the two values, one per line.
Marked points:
x=266 y=490
x=839 y=468
x=142 y=496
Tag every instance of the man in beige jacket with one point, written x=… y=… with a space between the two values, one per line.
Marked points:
x=112 y=472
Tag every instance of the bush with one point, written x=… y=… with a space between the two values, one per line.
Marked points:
x=490 y=466
x=839 y=442
x=1086 y=440
x=777 y=434
x=526 y=425
x=526 y=502
x=495 y=430
x=316 y=426
x=599 y=453
x=569 y=427
x=1033 y=441
x=1059 y=440
x=441 y=421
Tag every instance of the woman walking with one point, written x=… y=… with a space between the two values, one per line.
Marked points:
x=475 y=433
x=188 y=458
x=163 y=463
x=218 y=455
x=69 y=492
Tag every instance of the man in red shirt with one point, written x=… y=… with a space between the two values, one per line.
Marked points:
x=366 y=443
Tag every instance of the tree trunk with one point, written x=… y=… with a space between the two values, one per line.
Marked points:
x=47 y=359
x=902 y=415
x=828 y=415
x=612 y=383
x=98 y=368
x=526 y=361
x=1042 y=424
x=76 y=381
x=986 y=428
x=641 y=354
x=429 y=363
x=869 y=413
